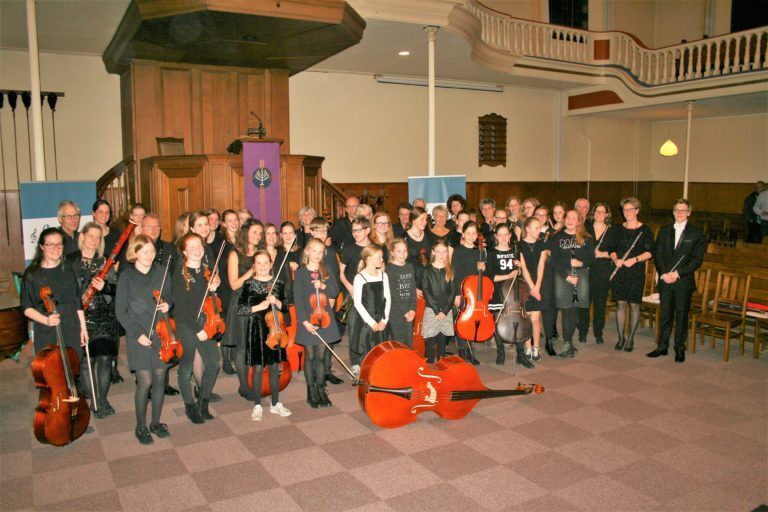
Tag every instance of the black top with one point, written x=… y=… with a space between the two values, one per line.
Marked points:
x=417 y=248
x=110 y=241
x=189 y=286
x=341 y=233
x=500 y=262
x=350 y=256
x=402 y=288
x=531 y=252
x=399 y=230
x=439 y=294
x=70 y=243
x=100 y=316
x=464 y=262
x=302 y=289
x=560 y=245
x=686 y=258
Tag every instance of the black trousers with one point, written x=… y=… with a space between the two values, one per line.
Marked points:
x=598 y=295
x=675 y=306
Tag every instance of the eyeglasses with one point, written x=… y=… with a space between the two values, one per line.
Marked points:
x=150 y=228
x=358 y=230
x=382 y=223
x=629 y=209
x=678 y=210
x=54 y=246
x=71 y=217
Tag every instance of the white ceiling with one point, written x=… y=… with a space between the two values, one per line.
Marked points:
x=87 y=26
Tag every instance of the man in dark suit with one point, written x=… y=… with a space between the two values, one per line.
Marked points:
x=680 y=249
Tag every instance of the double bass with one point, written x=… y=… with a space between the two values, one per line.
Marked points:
x=474 y=322
x=62 y=414
x=512 y=322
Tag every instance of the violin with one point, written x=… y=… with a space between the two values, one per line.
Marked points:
x=512 y=322
x=170 y=348
x=278 y=336
x=319 y=316
x=214 y=326
x=474 y=322
x=396 y=385
x=285 y=378
x=62 y=414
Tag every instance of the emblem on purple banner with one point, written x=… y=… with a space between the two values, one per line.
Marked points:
x=261 y=163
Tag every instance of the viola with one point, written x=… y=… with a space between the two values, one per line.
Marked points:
x=419 y=343
x=278 y=336
x=62 y=414
x=319 y=317
x=474 y=322
x=266 y=389
x=512 y=322
x=214 y=326
x=396 y=385
x=170 y=348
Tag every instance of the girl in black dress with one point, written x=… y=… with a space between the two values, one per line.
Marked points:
x=100 y=316
x=533 y=259
x=629 y=281
x=259 y=295
x=402 y=290
x=312 y=276
x=372 y=302
x=135 y=307
x=230 y=227
x=466 y=260
x=240 y=269
x=572 y=251
x=600 y=230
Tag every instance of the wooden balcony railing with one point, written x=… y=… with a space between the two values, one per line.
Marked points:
x=116 y=186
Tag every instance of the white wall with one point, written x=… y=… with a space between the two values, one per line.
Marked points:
x=88 y=132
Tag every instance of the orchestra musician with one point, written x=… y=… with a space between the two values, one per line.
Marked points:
x=439 y=289
x=533 y=259
x=372 y=301
x=401 y=275
x=601 y=231
x=466 y=260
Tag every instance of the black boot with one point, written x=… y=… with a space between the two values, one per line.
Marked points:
x=550 y=348
x=522 y=359
x=330 y=377
x=620 y=343
x=323 y=394
x=314 y=396
x=569 y=351
x=202 y=409
x=193 y=414
x=501 y=354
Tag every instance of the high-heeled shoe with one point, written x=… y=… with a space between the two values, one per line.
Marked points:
x=620 y=344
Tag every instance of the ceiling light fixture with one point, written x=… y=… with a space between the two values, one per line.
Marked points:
x=404 y=53
x=669 y=148
x=445 y=84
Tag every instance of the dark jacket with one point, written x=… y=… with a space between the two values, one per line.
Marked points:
x=688 y=255
x=439 y=294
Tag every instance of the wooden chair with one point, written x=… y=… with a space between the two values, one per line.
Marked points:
x=760 y=324
x=650 y=310
x=170 y=146
x=725 y=313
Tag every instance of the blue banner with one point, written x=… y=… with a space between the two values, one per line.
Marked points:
x=436 y=189
x=39 y=207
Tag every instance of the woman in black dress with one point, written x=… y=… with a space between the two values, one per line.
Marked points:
x=100 y=316
x=601 y=231
x=135 y=307
x=312 y=276
x=260 y=296
x=572 y=251
x=629 y=281
x=239 y=270
x=230 y=227
x=533 y=259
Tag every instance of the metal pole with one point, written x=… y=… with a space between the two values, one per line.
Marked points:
x=687 y=148
x=431 y=31
x=34 y=78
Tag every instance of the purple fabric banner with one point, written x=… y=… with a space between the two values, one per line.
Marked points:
x=261 y=176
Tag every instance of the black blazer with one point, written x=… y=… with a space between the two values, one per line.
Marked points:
x=691 y=249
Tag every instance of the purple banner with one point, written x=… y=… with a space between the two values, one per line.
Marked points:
x=261 y=176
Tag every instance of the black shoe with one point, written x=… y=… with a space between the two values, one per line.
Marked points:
x=314 y=396
x=550 y=348
x=330 y=377
x=143 y=435
x=630 y=345
x=247 y=395
x=471 y=358
x=160 y=430
x=582 y=339
x=680 y=357
x=108 y=408
x=658 y=352
x=214 y=398
x=501 y=356
x=569 y=351
x=100 y=414
x=226 y=367
x=620 y=344
x=522 y=359
x=599 y=340
x=202 y=409
x=116 y=377
x=193 y=414
x=324 y=400
x=171 y=391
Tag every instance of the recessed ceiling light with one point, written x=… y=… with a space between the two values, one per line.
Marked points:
x=404 y=53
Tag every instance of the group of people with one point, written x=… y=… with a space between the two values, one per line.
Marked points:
x=379 y=265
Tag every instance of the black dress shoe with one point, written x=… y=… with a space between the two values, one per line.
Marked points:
x=143 y=435
x=582 y=339
x=599 y=340
x=171 y=391
x=214 y=398
x=160 y=430
x=680 y=357
x=116 y=377
x=658 y=352
x=620 y=344
x=333 y=379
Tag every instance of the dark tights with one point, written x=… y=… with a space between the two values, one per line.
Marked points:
x=314 y=364
x=274 y=382
x=146 y=380
x=101 y=366
x=242 y=370
x=435 y=347
x=621 y=318
x=570 y=320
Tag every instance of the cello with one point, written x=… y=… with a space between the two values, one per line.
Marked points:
x=512 y=322
x=474 y=322
x=62 y=414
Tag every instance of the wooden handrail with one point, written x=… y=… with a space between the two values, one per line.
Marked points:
x=333 y=201
x=113 y=185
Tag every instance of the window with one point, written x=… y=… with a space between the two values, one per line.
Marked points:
x=571 y=13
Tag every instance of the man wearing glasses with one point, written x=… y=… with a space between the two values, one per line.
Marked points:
x=341 y=230
x=680 y=249
x=69 y=219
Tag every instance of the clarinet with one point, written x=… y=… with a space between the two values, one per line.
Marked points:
x=575 y=299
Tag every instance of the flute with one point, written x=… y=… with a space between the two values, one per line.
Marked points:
x=613 y=274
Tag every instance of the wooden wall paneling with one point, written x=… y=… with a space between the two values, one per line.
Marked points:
x=215 y=112
x=251 y=98
x=233 y=111
x=238 y=187
x=196 y=121
x=220 y=185
x=11 y=248
x=277 y=99
x=126 y=112
x=177 y=105
x=147 y=123
x=299 y=186
x=177 y=185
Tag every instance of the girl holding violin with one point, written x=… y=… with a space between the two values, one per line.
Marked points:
x=230 y=226
x=438 y=286
x=315 y=317
x=533 y=259
x=48 y=269
x=239 y=269
x=402 y=289
x=373 y=301
x=503 y=260
x=135 y=307
x=466 y=261
x=190 y=284
x=262 y=303
x=100 y=316
x=572 y=252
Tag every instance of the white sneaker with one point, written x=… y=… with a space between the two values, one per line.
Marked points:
x=279 y=409
x=256 y=413
x=356 y=370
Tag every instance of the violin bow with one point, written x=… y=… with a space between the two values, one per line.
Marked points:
x=350 y=372
x=506 y=295
x=213 y=273
x=285 y=258
x=157 y=303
